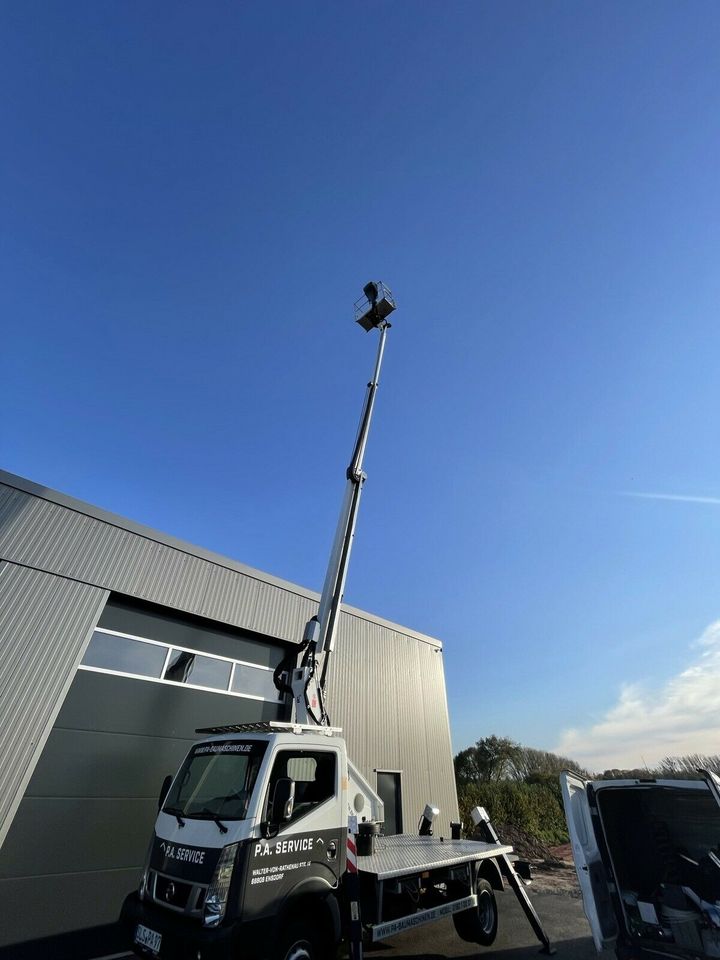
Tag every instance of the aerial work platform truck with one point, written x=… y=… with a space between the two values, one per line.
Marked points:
x=268 y=841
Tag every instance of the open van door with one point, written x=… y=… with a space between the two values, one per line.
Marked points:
x=713 y=781
x=588 y=862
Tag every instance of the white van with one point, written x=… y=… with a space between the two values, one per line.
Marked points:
x=647 y=855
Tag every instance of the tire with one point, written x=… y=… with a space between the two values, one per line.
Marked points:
x=302 y=941
x=479 y=924
x=296 y=944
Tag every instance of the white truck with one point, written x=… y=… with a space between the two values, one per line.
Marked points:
x=647 y=854
x=268 y=841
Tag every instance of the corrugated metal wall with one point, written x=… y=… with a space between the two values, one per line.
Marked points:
x=387 y=683
x=45 y=624
x=78 y=839
x=47 y=536
x=387 y=692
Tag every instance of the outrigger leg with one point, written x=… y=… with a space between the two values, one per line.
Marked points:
x=489 y=835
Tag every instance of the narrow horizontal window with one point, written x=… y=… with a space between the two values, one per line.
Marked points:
x=197 y=670
x=110 y=652
x=255 y=683
x=130 y=656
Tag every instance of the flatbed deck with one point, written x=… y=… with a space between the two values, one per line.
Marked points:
x=398 y=856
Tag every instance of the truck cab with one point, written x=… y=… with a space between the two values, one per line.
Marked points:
x=249 y=846
x=647 y=855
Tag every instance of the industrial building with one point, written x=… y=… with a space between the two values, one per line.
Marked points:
x=117 y=643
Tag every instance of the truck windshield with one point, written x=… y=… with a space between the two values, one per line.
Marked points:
x=216 y=780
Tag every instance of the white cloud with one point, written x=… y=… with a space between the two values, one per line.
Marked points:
x=645 y=725
x=679 y=497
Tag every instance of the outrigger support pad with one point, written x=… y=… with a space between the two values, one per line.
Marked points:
x=489 y=835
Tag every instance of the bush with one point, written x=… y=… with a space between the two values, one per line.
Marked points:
x=535 y=808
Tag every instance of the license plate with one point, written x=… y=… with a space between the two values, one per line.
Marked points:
x=146 y=937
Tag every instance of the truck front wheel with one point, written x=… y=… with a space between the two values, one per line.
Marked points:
x=299 y=943
x=479 y=924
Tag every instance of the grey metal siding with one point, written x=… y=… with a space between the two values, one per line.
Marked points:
x=387 y=692
x=36 y=907
x=229 y=596
x=60 y=538
x=437 y=727
x=280 y=613
x=157 y=624
x=115 y=738
x=45 y=624
x=49 y=531
x=47 y=536
x=89 y=809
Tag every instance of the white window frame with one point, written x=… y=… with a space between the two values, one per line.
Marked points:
x=228 y=691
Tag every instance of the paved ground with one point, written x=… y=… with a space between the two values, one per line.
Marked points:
x=562 y=917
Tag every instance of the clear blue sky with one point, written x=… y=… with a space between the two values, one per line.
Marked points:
x=192 y=196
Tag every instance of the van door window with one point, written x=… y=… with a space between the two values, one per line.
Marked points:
x=314 y=773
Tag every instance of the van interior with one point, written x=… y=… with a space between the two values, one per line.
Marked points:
x=664 y=844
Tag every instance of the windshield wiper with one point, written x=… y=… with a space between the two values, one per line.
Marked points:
x=206 y=814
x=174 y=812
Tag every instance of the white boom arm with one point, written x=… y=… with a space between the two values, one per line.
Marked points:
x=308 y=679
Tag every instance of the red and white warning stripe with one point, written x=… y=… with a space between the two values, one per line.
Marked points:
x=351 y=854
x=353 y=889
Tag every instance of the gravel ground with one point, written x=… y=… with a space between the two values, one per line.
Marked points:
x=556 y=874
x=554 y=893
x=561 y=915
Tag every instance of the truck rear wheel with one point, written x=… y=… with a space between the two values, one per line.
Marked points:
x=479 y=924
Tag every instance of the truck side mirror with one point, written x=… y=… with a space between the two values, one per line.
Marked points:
x=164 y=790
x=283 y=801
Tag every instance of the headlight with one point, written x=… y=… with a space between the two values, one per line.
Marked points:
x=142 y=889
x=217 y=895
x=145 y=877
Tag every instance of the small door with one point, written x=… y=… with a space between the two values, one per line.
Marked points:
x=588 y=862
x=389 y=789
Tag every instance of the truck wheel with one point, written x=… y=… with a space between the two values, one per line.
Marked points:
x=297 y=944
x=479 y=924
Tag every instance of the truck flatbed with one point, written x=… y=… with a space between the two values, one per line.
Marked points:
x=397 y=856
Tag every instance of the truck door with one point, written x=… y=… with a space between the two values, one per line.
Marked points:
x=588 y=862
x=308 y=852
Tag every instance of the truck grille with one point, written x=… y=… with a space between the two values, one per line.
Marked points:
x=172 y=892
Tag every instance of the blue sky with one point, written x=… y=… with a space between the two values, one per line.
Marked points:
x=192 y=197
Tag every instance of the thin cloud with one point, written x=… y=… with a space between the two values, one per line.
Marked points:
x=680 y=497
x=680 y=717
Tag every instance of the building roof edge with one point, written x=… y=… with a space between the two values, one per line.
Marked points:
x=116 y=520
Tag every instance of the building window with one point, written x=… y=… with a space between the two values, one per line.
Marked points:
x=125 y=655
x=250 y=680
x=113 y=652
x=198 y=670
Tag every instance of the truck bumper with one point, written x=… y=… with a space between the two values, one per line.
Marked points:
x=184 y=938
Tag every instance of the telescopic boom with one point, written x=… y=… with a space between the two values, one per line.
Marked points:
x=308 y=679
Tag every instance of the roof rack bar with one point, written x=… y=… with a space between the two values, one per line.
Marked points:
x=269 y=726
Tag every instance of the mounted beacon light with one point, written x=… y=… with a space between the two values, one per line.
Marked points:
x=479 y=815
x=426 y=820
x=373 y=309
